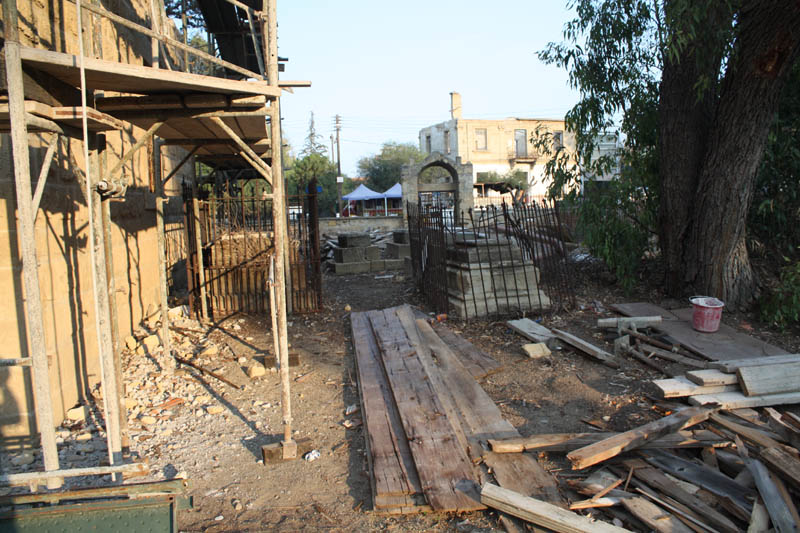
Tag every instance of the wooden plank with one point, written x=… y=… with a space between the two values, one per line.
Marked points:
x=587 y=348
x=759 y=519
x=752 y=435
x=654 y=516
x=542 y=513
x=443 y=467
x=662 y=483
x=737 y=400
x=111 y=76
x=779 y=512
x=482 y=419
x=627 y=322
x=670 y=356
x=476 y=361
x=680 y=387
x=532 y=331
x=630 y=440
x=769 y=379
x=566 y=442
x=703 y=476
x=783 y=463
x=726 y=344
x=96 y=120
x=735 y=364
x=710 y=376
x=394 y=479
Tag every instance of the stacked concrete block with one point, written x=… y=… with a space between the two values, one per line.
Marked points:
x=488 y=276
x=356 y=255
x=397 y=250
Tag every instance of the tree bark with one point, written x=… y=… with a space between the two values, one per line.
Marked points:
x=706 y=251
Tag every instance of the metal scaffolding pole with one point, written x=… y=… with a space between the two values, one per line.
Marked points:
x=27 y=240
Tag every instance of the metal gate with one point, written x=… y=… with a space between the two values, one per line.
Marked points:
x=236 y=239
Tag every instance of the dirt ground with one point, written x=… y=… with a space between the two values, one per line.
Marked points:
x=187 y=424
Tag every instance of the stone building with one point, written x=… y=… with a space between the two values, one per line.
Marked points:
x=500 y=146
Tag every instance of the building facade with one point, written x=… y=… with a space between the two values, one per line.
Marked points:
x=499 y=146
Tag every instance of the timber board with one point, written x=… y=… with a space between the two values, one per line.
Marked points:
x=725 y=344
x=444 y=470
x=123 y=77
x=394 y=479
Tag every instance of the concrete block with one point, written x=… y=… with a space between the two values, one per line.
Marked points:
x=372 y=253
x=349 y=255
x=400 y=236
x=351 y=240
x=394 y=264
x=377 y=265
x=397 y=251
x=351 y=268
x=536 y=351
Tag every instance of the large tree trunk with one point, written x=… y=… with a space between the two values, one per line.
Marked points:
x=706 y=251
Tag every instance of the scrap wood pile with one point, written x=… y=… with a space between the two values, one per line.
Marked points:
x=697 y=469
x=428 y=421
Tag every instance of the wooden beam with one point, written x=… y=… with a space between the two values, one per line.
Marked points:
x=533 y=331
x=769 y=379
x=567 y=442
x=779 y=512
x=37 y=346
x=635 y=438
x=680 y=387
x=43 y=173
x=111 y=177
x=732 y=365
x=110 y=75
x=711 y=376
x=737 y=400
x=627 y=322
x=254 y=159
x=542 y=513
x=179 y=165
x=587 y=348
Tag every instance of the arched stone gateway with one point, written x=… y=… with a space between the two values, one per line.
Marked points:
x=460 y=183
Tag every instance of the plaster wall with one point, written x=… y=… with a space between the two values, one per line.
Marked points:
x=61 y=229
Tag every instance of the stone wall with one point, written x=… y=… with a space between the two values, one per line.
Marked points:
x=61 y=229
x=334 y=226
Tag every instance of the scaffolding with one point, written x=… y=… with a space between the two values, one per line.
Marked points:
x=215 y=118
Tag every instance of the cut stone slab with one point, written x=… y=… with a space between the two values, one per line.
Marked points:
x=377 y=266
x=151 y=342
x=394 y=264
x=356 y=254
x=350 y=240
x=536 y=351
x=256 y=370
x=351 y=268
x=397 y=251
x=131 y=343
x=78 y=413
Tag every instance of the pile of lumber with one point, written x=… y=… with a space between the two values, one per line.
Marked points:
x=329 y=243
x=697 y=469
x=428 y=421
x=739 y=383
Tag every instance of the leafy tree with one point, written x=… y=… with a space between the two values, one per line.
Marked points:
x=319 y=167
x=312 y=144
x=385 y=168
x=194 y=18
x=693 y=87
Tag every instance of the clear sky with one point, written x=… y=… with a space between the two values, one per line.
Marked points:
x=388 y=67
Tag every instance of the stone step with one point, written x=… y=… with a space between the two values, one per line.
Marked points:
x=397 y=251
x=356 y=254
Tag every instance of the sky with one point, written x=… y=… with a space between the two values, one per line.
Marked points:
x=388 y=68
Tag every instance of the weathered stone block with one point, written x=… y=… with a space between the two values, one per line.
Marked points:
x=372 y=253
x=377 y=265
x=351 y=268
x=348 y=255
x=394 y=264
x=397 y=251
x=351 y=240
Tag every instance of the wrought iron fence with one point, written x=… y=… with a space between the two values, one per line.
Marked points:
x=499 y=260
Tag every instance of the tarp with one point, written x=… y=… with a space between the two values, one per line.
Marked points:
x=362 y=193
x=396 y=191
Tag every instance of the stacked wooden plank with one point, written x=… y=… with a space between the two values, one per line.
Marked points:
x=428 y=421
x=739 y=383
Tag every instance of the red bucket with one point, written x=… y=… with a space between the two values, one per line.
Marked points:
x=707 y=313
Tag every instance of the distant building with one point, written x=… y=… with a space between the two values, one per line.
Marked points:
x=606 y=145
x=501 y=146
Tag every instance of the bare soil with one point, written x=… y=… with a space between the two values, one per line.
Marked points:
x=213 y=433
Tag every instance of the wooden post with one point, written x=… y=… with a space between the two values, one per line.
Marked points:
x=155 y=60
x=162 y=253
x=108 y=249
x=279 y=215
x=198 y=244
x=27 y=240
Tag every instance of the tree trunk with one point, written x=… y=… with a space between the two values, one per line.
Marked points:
x=713 y=255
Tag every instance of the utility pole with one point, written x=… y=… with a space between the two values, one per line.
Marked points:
x=333 y=156
x=339 y=178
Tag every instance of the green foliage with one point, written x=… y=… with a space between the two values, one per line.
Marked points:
x=781 y=306
x=385 y=168
x=194 y=18
x=312 y=166
x=613 y=53
x=775 y=212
